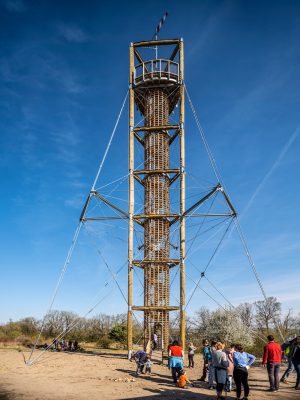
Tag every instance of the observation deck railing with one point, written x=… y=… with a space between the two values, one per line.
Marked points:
x=156 y=70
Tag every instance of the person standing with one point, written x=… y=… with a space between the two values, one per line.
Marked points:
x=242 y=362
x=191 y=353
x=296 y=360
x=211 y=370
x=230 y=368
x=154 y=341
x=286 y=347
x=220 y=365
x=206 y=359
x=176 y=360
x=272 y=358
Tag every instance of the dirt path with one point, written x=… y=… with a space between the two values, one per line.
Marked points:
x=108 y=376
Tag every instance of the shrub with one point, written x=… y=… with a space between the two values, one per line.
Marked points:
x=105 y=342
x=118 y=333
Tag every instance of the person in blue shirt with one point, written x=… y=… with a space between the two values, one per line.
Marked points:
x=206 y=358
x=242 y=362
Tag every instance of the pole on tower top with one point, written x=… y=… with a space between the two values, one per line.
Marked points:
x=158 y=28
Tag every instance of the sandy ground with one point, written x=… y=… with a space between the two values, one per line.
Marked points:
x=108 y=376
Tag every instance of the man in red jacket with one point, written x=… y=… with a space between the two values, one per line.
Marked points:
x=272 y=357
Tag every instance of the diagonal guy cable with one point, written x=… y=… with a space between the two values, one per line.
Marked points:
x=76 y=234
x=236 y=220
x=58 y=284
x=109 y=143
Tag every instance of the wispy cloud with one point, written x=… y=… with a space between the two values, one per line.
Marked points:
x=209 y=30
x=36 y=66
x=275 y=165
x=15 y=5
x=76 y=201
x=72 y=33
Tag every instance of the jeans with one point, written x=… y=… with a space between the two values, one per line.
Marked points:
x=273 y=372
x=297 y=368
x=191 y=360
x=288 y=371
x=240 y=376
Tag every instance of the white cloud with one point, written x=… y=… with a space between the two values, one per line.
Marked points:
x=72 y=33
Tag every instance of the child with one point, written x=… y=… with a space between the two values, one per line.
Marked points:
x=148 y=365
x=230 y=368
x=183 y=380
x=191 y=353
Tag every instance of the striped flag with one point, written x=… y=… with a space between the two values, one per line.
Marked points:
x=158 y=28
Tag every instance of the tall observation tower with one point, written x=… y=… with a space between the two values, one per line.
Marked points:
x=156 y=88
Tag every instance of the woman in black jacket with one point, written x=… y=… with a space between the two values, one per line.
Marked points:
x=296 y=360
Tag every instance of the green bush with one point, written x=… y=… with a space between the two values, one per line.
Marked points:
x=105 y=343
x=118 y=333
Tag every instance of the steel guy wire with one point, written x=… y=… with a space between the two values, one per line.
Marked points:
x=59 y=282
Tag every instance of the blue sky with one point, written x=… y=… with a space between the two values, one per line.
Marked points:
x=64 y=75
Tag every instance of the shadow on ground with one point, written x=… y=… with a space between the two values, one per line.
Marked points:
x=5 y=396
x=172 y=394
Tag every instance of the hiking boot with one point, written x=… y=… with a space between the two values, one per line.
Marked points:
x=284 y=381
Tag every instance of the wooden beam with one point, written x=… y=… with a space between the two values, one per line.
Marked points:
x=155 y=308
x=154 y=43
x=141 y=140
x=156 y=171
x=138 y=179
x=155 y=128
x=173 y=137
x=138 y=56
x=144 y=216
x=174 y=178
x=174 y=53
x=170 y=261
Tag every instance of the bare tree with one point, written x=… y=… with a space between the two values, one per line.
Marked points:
x=29 y=326
x=288 y=324
x=268 y=312
x=246 y=312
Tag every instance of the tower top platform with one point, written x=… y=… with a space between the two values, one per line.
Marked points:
x=164 y=72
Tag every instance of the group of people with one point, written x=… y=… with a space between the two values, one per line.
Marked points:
x=223 y=366
x=63 y=345
x=143 y=362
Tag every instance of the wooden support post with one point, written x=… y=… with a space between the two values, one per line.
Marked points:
x=182 y=198
x=130 y=200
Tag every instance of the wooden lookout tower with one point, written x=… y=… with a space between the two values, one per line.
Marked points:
x=156 y=88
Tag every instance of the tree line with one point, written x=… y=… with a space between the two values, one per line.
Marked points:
x=248 y=323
